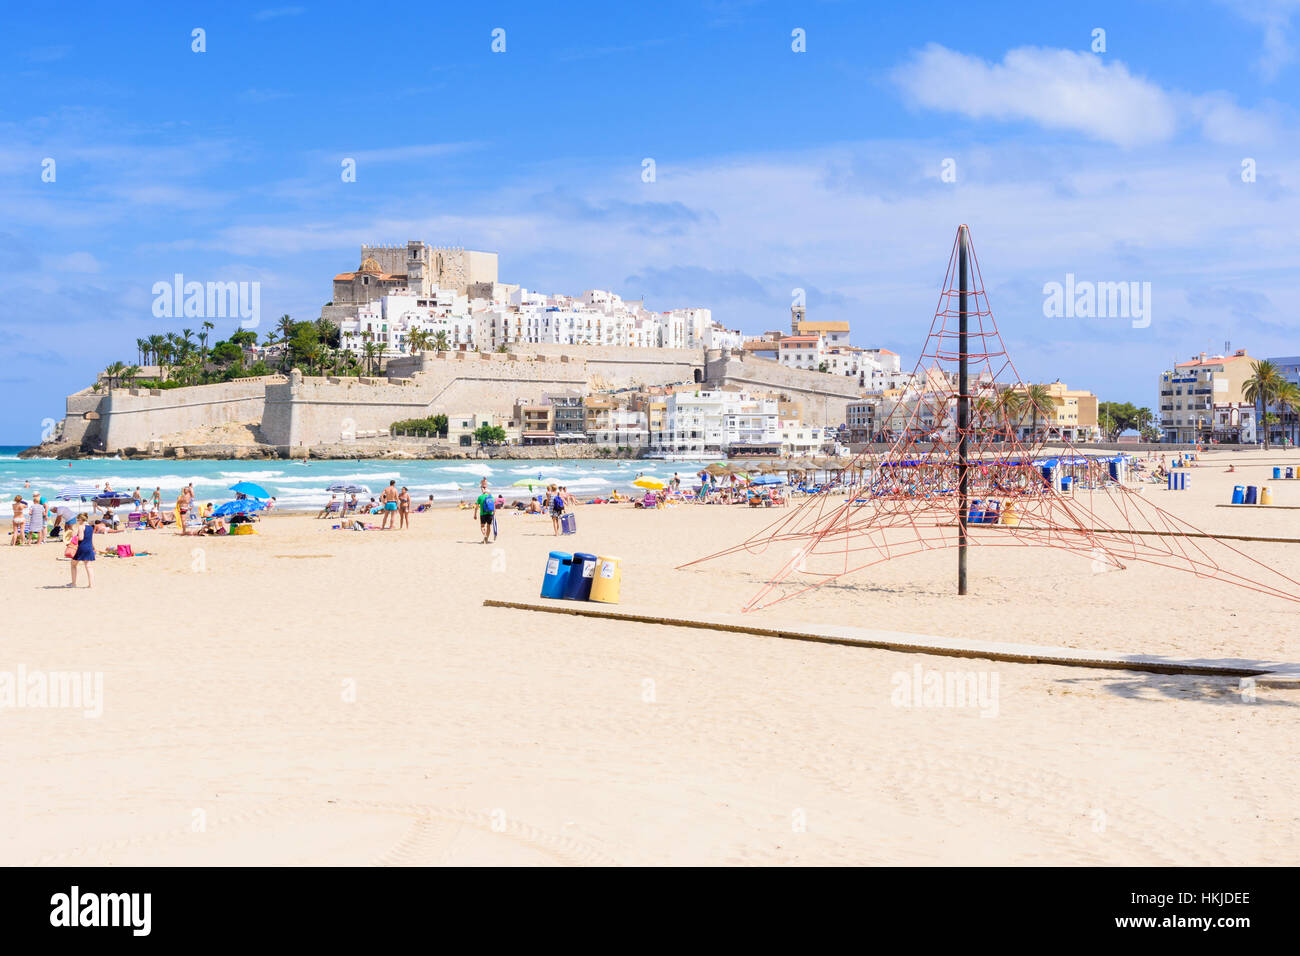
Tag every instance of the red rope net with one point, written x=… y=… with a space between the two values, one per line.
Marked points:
x=907 y=500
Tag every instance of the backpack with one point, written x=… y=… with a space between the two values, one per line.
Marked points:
x=489 y=506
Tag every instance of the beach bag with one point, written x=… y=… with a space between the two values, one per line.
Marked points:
x=124 y=551
x=71 y=550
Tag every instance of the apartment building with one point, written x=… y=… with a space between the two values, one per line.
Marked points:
x=1200 y=399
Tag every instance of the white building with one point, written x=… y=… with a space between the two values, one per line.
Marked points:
x=714 y=421
x=801 y=351
x=389 y=321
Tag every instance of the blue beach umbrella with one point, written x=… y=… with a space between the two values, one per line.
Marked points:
x=245 y=506
x=767 y=480
x=250 y=489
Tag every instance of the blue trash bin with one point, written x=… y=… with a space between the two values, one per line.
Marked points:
x=1238 y=494
x=581 y=571
x=1277 y=473
x=558 y=566
x=1252 y=494
x=1067 y=482
x=1290 y=472
x=975 y=514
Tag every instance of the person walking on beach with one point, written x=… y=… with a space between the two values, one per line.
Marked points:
x=388 y=499
x=557 y=510
x=36 y=519
x=84 y=538
x=404 y=508
x=485 y=506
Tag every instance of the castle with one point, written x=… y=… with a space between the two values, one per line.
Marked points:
x=416 y=268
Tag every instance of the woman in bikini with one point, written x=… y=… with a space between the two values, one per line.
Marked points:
x=404 y=508
x=20 y=521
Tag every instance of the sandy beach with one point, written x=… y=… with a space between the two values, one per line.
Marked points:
x=311 y=696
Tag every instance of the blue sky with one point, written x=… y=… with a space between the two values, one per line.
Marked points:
x=775 y=170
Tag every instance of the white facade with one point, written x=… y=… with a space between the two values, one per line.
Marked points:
x=389 y=321
x=714 y=421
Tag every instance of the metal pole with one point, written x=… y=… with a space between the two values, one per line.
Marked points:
x=963 y=413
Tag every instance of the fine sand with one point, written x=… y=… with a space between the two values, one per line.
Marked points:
x=311 y=696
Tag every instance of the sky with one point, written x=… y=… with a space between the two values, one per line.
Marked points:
x=1161 y=151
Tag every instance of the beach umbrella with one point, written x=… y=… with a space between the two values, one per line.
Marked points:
x=251 y=489
x=717 y=468
x=246 y=506
x=767 y=480
x=77 y=493
x=650 y=483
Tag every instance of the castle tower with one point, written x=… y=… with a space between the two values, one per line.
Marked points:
x=797 y=315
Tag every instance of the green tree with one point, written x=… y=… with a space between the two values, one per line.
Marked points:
x=487 y=434
x=1288 y=399
x=1261 y=389
x=1039 y=400
x=1117 y=417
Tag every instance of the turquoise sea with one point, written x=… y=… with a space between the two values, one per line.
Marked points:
x=301 y=485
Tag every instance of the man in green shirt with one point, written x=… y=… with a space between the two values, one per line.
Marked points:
x=485 y=506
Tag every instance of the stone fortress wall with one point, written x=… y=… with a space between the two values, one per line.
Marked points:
x=300 y=411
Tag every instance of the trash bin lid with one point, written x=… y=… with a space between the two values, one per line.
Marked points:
x=583 y=556
x=562 y=555
x=608 y=557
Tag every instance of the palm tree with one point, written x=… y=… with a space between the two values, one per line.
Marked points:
x=113 y=373
x=371 y=351
x=285 y=327
x=1288 y=399
x=203 y=337
x=418 y=340
x=440 y=340
x=156 y=342
x=141 y=349
x=130 y=374
x=1262 y=388
x=1013 y=409
x=1039 y=399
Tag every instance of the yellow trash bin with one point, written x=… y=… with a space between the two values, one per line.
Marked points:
x=1266 y=495
x=604 y=585
x=1009 y=515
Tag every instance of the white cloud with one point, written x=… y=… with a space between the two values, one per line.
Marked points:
x=1273 y=17
x=406 y=154
x=1058 y=89
x=1064 y=89
x=1223 y=121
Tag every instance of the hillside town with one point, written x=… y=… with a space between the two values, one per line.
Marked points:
x=406 y=299
x=622 y=380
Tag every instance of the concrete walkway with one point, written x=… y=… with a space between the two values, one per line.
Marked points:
x=1267 y=673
